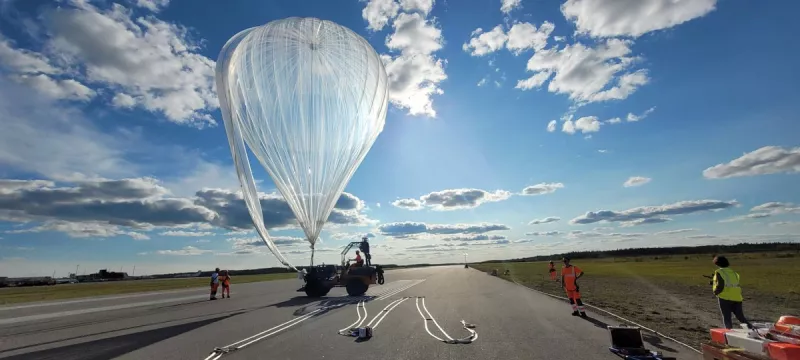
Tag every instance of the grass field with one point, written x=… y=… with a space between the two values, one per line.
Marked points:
x=668 y=293
x=71 y=291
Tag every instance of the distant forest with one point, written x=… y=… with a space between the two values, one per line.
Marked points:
x=663 y=251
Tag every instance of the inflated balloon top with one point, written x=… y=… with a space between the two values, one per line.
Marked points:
x=309 y=98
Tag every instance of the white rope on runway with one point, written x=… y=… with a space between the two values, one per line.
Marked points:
x=386 y=312
x=218 y=352
x=359 y=321
x=467 y=340
x=616 y=316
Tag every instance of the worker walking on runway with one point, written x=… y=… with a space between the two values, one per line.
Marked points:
x=726 y=288
x=214 y=284
x=225 y=279
x=552 y=270
x=569 y=281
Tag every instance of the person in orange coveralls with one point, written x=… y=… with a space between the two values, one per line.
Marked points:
x=569 y=281
x=225 y=279
x=552 y=270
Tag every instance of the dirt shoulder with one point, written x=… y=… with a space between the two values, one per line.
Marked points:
x=683 y=312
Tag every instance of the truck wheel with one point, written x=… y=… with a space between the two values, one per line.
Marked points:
x=356 y=287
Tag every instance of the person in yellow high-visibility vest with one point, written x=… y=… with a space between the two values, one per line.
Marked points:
x=727 y=289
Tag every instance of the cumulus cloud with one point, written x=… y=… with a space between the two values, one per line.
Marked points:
x=185 y=251
x=526 y=36
x=764 y=161
x=152 y=5
x=83 y=229
x=483 y=43
x=154 y=64
x=101 y=207
x=589 y=74
x=507 y=5
x=542 y=188
x=546 y=220
x=673 y=232
x=766 y=210
x=414 y=71
x=481 y=237
x=586 y=124
x=520 y=37
x=633 y=117
x=544 y=233
x=378 y=13
x=183 y=233
x=636 y=181
x=637 y=222
x=645 y=214
x=400 y=229
x=551 y=126
x=453 y=199
x=352 y=236
x=611 y=18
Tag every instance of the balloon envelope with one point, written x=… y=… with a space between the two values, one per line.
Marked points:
x=309 y=98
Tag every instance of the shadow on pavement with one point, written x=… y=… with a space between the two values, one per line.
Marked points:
x=114 y=346
x=656 y=342
x=597 y=323
x=297 y=301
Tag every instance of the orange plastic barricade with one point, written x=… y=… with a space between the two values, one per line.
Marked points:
x=718 y=335
x=714 y=351
x=783 y=351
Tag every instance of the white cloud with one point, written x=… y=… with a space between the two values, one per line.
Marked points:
x=672 y=232
x=414 y=74
x=84 y=229
x=636 y=181
x=185 y=251
x=453 y=199
x=151 y=60
x=586 y=124
x=633 y=117
x=378 y=13
x=68 y=89
x=588 y=74
x=483 y=81
x=651 y=214
x=766 y=210
x=764 y=161
x=408 y=228
x=123 y=100
x=423 y=6
x=546 y=220
x=507 y=5
x=483 y=43
x=152 y=5
x=542 y=188
x=614 y=121
x=524 y=36
x=551 y=126
x=535 y=81
x=182 y=233
x=602 y=151
x=23 y=61
x=610 y=18
x=546 y=233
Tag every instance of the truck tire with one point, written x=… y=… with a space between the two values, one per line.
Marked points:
x=356 y=286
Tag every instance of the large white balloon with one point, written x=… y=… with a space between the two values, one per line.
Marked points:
x=309 y=98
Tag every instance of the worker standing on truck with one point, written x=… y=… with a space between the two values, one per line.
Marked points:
x=726 y=288
x=569 y=281
x=364 y=246
x=214 y=284
x=552 y=270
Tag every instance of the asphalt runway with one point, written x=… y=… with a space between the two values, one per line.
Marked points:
x=512 y=322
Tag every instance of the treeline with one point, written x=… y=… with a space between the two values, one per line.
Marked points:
x=282 y=270
x=664 y=251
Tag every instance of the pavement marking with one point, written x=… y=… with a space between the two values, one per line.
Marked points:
x=67 y=302
x=395 y=292
x=92 y=310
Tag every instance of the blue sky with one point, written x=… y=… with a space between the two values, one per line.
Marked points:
x=515 y=133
